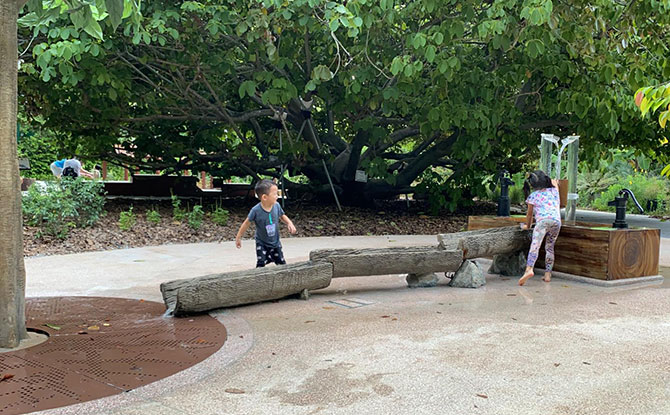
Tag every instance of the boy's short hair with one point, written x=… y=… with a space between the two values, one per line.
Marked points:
x=263 y=187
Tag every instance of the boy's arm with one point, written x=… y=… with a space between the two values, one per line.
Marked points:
x=529 y=218
x=287 y=221
x=243 y=228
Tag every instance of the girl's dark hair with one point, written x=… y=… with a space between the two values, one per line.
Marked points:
x=536 y=180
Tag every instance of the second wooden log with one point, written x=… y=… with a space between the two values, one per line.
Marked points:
x=381 y=261
x=486 y=242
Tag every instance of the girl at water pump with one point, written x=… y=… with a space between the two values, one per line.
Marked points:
x=544 y=205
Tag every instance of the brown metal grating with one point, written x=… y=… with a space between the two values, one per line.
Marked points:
x=99 y=347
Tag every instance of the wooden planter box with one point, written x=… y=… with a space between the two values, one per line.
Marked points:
x=594 y=250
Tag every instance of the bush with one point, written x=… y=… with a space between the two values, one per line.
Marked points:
x=645 y=188
x=127 y=219
x=516 y=196
x=195 y=217
x=153 y=216
x=220 y=216
x=177 y=212
x=60 y=206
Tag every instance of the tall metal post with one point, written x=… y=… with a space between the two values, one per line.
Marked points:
x=546 y=146
x=281 y=174
x=573 y=161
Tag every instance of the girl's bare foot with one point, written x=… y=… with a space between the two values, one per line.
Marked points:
x=547 y=277
x=526 y=276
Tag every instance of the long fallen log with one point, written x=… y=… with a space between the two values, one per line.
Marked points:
x=243 y=287
x=486 y=242
x=380 y=261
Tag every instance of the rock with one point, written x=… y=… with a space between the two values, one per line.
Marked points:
x=511 y=265
x=469 y=275
x=428 y=279
x=304 y=294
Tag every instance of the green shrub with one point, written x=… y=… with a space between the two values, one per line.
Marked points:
x=178 y=213
x=127 y=219
x=88 y=197
x=516 y=196
x=60 y=206
x=645 y=188
x=220 y=216
x=195 y=217
x=153 y=216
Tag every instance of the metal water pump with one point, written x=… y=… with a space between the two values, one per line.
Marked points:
x=503 y=201
x=620 y=204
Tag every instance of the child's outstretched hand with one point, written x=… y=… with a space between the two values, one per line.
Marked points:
x=238 y=243
x=291 y=228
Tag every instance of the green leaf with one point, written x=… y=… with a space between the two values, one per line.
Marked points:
x=115 y=10
x=535 y=48
x=322 y=73
x=311 y=85
x=334 y=25
x=397 y=65
x=93 y=28
x=248 y=88
x=419 y=41
x=453 y=62
x=82 y=17
x=430 y=53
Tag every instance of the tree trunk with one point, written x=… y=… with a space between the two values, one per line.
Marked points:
x=381 y=261
x=12 y=271
x=243 y=287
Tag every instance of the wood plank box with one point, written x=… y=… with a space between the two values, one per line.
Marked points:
x=594 y=250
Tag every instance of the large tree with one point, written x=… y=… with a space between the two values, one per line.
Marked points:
x=398 y=87
x=85 y=15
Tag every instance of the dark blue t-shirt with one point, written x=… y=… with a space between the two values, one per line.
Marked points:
x=267 y=224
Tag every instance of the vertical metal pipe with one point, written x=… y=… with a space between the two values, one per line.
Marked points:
x=281 y=174
x=573 y=162
x=545 y=154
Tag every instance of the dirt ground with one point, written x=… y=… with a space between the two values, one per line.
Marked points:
x=388 y=218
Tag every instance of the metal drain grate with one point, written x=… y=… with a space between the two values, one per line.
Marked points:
x=99 y=347
x=350 y=302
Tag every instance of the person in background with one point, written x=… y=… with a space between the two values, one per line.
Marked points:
x=69 y=168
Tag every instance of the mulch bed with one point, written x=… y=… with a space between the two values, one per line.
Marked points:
x=388 y=218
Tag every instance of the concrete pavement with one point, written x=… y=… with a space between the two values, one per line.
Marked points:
x=558 y=348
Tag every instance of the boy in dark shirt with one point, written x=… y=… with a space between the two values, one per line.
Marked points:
x=266 y=216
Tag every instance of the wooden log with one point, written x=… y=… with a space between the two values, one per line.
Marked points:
x=486 y=242
x=381 y=261
x=243 y=287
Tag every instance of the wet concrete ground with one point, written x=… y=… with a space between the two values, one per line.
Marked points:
x=557 y=348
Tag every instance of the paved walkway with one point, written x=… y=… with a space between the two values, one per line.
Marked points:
x=558 y=348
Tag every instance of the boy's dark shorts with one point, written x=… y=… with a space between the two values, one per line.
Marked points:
x=266 y=254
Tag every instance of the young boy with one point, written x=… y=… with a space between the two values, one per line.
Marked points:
x=266 y=215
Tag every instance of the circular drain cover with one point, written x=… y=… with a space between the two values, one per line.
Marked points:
x=99 y=347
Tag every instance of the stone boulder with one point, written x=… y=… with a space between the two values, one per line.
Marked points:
x=469 y=275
